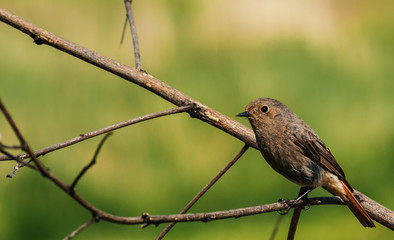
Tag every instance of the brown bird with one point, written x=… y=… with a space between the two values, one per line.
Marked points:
x=294 y=150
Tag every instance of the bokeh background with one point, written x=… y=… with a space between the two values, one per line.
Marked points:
x=329 y=61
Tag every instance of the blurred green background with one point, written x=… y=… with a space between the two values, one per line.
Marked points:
x=331 y=62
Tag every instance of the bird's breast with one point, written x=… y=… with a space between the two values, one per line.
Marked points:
x=287 y=160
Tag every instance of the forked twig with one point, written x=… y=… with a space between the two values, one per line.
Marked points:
x=92 y=162
x=204 y=190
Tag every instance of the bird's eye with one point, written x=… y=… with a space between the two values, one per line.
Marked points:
x=264 y=109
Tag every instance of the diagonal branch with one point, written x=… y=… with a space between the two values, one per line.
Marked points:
x=24 y=145
x=140 y=78
x=98 y=132
x=205 y=189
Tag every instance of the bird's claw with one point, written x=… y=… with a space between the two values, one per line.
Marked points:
x=286 y=202
x=283 y=201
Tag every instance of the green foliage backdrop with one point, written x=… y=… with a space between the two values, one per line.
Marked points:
x=330 y=61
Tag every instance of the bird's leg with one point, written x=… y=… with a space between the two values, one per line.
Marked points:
x=303 y=195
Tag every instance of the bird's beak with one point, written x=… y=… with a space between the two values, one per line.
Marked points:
x=243 y=114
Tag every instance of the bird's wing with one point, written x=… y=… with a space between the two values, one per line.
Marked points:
x=314 y=148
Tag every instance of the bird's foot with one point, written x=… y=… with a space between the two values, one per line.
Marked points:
x=306 y=199
x=285 y=202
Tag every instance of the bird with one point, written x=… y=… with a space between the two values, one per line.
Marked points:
x=293 y=149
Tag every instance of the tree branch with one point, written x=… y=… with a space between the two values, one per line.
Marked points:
x=236 y=213
x=140 y=78
x=85 y=136
x=376 y=211
x=205 y=189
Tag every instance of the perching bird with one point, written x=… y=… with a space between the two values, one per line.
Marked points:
x=295 y=151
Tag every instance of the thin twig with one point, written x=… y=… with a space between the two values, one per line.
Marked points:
x=98 y=132
x=123 y=30
x=9 y=146
x=20 y=163
x=276 y=228
x=25 y=146
x=205 y=189
x=9 y=155
x=13 y=126
x=6 y=153
x=82 y=227
x=16 y=168
x=92 y=162
x=130 y=17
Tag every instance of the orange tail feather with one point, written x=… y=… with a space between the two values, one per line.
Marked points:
x=356 y=208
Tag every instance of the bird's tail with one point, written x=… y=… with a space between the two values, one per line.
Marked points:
x=356 y=208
